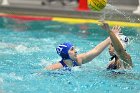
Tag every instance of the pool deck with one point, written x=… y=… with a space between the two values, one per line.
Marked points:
x=125 y=12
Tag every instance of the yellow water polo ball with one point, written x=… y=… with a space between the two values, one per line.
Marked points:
x=96 y=5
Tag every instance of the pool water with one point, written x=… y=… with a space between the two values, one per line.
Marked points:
x=26 y=47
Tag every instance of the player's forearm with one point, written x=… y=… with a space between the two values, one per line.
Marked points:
x=116 y=43
x=99 y=48
x=95 y=51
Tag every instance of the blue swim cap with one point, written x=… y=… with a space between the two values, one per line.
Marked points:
x=63 y=49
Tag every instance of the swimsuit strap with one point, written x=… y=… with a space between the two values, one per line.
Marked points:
x=112 y=66
x=75 y=63
x=114 y=56
x=64 y=65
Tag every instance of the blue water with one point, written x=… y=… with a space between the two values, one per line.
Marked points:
x=26 y=47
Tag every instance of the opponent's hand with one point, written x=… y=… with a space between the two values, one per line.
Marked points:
x=105 y=26
x=116 y=29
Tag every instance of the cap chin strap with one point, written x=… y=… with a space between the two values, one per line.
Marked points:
x=68 y=59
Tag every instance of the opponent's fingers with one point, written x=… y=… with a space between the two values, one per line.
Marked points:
x=102 y=21
x=119 y=29
x=116 y=27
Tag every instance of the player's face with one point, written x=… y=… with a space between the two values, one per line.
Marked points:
x=111 y=49
x=72 y=53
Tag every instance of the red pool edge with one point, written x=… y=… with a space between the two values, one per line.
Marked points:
x=27 y=17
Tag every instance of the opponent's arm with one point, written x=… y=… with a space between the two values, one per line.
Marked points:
x=88 y=56
x=122 y=54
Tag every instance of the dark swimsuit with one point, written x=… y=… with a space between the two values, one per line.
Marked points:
x=112 y=66
x=66 y=67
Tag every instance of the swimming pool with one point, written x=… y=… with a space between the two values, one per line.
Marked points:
x=26 y=47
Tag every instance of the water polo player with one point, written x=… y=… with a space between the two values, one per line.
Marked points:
x=120 y=59
x=70 y=58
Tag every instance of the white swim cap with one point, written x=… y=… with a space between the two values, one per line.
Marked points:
x=123 y=39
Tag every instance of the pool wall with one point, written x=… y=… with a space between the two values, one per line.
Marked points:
x=122 y=14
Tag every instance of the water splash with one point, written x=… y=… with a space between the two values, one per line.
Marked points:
x=109 y=6
x=111 y=10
